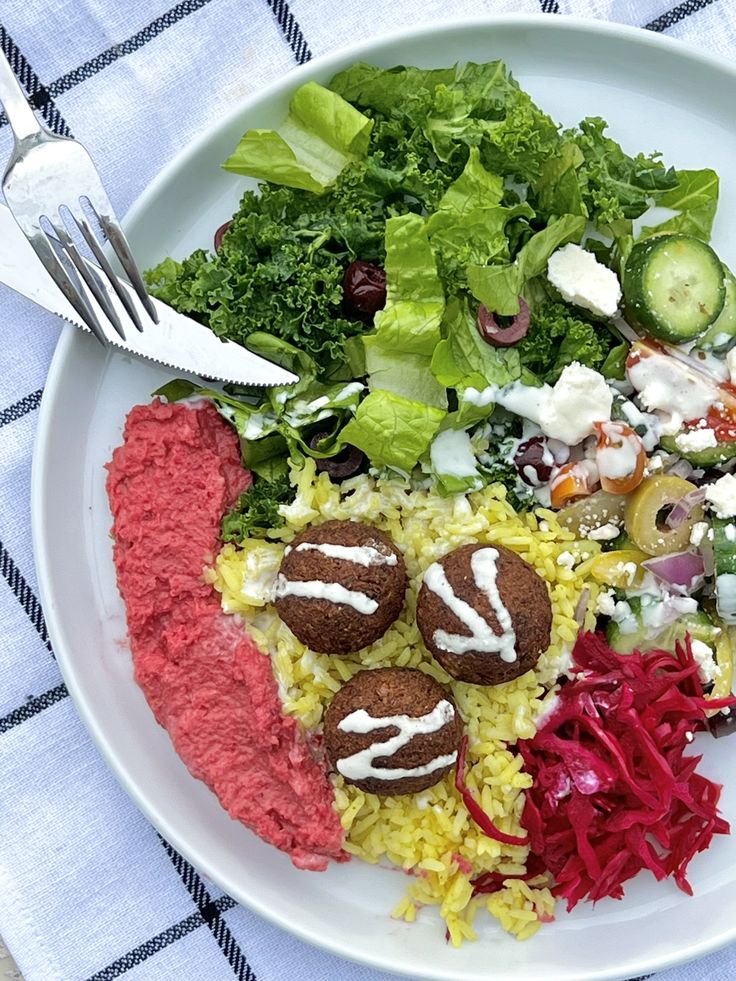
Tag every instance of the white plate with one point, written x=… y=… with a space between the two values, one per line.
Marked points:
x=656 y=95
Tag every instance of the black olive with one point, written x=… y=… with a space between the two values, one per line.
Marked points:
x=364 y=287
x=344 y=464
x=722 y=725
x=219 y=234
x=492 y=332
x=533 y=454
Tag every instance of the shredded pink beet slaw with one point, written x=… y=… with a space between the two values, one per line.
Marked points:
x=614 y=791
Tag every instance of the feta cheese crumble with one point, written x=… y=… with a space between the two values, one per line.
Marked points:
x=605 y=533
x=721 y=496
x=579 y=398
x=708 y=670
x=698 y=533
x=582 y=280
x=696 y=440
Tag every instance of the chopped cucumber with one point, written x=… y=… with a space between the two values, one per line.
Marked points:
x=724 y=550
x=721 y=335
x=673 y=287
x=633 y=633
x=709 y=457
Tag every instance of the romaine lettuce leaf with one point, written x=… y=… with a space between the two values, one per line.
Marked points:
x=463 y=355
x=398 y=352
x=696 y=200
x=499 y=287
x=453 y=463
x=320 y=136
x=392 y=431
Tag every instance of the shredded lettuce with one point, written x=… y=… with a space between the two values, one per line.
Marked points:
x=393 y=431
x=321 y=135
x=398 y=352
x=461 y=188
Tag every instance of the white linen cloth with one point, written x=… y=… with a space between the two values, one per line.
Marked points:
x=87 y=887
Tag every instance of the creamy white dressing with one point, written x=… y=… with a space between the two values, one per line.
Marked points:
x=482 y=638
x=452 y=454
x=352 y=389
x=726 y=597
x=361 y=765
x=331 y=591
x=617 y=461
x=646 y=422
x=480 y=399
x=666 y=385
x=360 y=554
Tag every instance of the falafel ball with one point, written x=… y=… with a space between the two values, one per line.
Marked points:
x=485 y=614
x=340 y=587
x=425 y=740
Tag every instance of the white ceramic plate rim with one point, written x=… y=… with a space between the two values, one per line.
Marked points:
x=41 y=476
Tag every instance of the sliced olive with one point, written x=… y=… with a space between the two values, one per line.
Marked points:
x=344 y=464
x=620 y=568
x=220 y=234
x=593 y=512
x=492 y=332
x=646 y=514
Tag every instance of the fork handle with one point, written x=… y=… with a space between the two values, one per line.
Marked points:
x=21 y=117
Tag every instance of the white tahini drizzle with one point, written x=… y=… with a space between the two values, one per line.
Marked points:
x=360 y=554
x=360 y=766
x=482 y=638
x=331 y=591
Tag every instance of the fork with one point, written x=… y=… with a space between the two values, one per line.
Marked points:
x=48 y=183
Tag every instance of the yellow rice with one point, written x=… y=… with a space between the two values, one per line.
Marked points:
x=429 y=834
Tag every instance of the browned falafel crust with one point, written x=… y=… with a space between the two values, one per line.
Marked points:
x=337 y=628
x=524 y=594
x=385 y=692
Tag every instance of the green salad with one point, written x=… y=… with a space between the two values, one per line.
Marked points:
x=396 y=208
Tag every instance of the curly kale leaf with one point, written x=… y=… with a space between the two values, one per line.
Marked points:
x=257 y=509
x=557 y=337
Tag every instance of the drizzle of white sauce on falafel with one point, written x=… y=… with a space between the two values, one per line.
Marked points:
x=482 y=638
x=331 y=591
x=360 y=766
x=360 y=554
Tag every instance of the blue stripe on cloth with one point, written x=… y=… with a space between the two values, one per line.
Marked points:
x=291 y=30
x=21 y=408
x=676 y=14
x=40 y=96
x=162 y=940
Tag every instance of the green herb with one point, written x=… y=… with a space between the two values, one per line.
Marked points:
x=557 y=337
x=257 y=509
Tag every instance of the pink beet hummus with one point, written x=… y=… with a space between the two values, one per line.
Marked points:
x=207 y=683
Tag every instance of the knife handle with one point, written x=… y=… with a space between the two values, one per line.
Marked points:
x=21 y=117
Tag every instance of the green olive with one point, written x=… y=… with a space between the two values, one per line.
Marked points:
x=646 y=512
x=592 y=512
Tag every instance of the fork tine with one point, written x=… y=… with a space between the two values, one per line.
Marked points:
x=92 y=280
x=116 y=238
x=91 y=239
x=44 y=248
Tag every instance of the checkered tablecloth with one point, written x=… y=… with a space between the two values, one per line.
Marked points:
x=88 y=890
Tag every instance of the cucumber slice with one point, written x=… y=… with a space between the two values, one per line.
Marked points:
x=673 y=287
x=721 y=335
x=698 y=625
x=724 y=550
x=709 y=457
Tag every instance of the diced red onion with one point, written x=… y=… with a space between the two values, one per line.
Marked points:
x=682 y=572
x=684 y=507
x=681 y=469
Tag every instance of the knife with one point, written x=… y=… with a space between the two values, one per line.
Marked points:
x=176 y=341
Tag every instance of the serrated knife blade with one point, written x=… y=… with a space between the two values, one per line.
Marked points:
x=176 y=341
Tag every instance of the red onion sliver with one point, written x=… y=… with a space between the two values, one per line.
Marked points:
x=682 y=572
x=684 y=507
